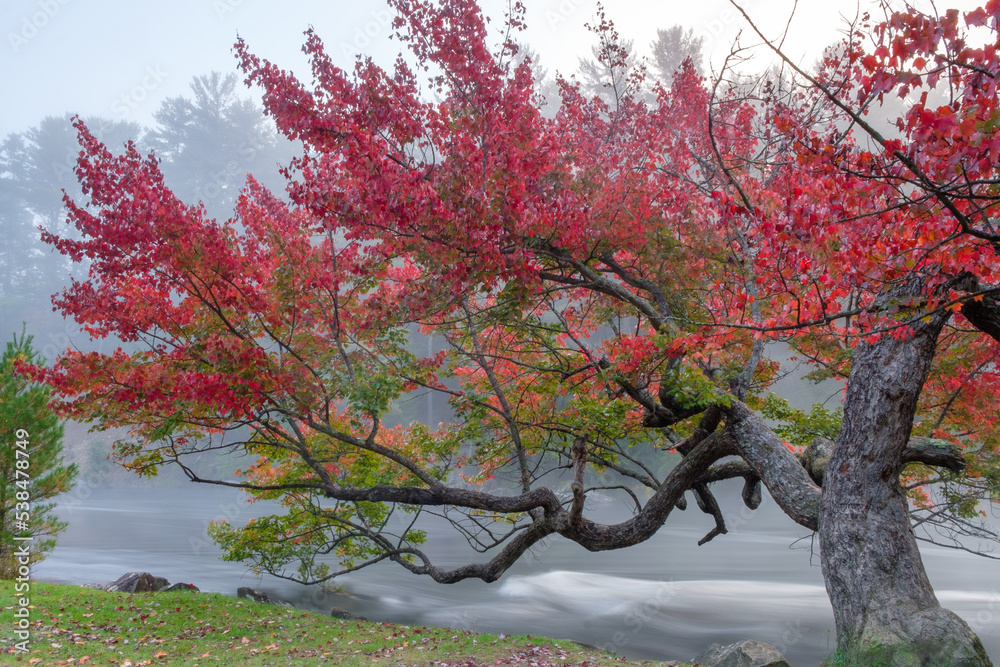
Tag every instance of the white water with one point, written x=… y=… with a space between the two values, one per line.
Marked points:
x=664 y=599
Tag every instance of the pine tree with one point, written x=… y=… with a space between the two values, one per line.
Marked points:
x=31 y=466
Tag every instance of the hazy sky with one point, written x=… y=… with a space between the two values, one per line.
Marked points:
x=120 y=59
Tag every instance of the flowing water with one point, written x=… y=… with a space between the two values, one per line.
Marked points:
x=665 y=599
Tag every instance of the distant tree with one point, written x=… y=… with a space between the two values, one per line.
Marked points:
x=605 y=77
x=36 y=167
x=612 y=73
x=209 y=142
x=40 y=161
x=20 y=244
x=33 y=473
x=672 y=47
x=546 y=87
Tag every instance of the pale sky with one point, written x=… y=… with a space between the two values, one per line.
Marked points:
x=121 y=58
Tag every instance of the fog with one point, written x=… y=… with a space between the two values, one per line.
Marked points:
x=165 y=78
x=665 y=599
x=120 y=60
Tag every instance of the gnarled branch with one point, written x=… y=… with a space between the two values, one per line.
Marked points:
x=776 y=465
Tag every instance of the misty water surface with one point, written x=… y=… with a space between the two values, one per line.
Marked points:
x=665 y=599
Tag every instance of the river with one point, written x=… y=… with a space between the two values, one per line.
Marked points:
x=665 y=599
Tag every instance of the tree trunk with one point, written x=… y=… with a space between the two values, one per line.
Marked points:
x=885 y=609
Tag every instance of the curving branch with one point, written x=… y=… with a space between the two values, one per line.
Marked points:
x=928 y=451
x=934 y=452
x=489 y=571
x=984 y=314
x=642 y=526
x=774 y=463
x=709 y=505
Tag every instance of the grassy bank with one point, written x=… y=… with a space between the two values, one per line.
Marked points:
x=70 y=625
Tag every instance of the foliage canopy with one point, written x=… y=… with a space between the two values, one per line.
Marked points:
x=604 y=282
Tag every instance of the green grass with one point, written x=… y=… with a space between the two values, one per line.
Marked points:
x=71 y=625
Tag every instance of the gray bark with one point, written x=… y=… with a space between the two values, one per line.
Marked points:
x=775 y=464
x=885 y=609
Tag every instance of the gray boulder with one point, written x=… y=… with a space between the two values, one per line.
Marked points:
x=749 y=653
x=338 y=612
x=180 y=586
x=137 y=582
x=257 y=596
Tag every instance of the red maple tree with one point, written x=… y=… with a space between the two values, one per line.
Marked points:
x=604 y=281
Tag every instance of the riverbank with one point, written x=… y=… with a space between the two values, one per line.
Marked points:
x=74 y=625
x=665 y=599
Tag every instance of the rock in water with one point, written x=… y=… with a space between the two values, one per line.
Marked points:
x=257 y=596
x=749 y=653
x=181 y=586
x=338 y=612
x=137 y=582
